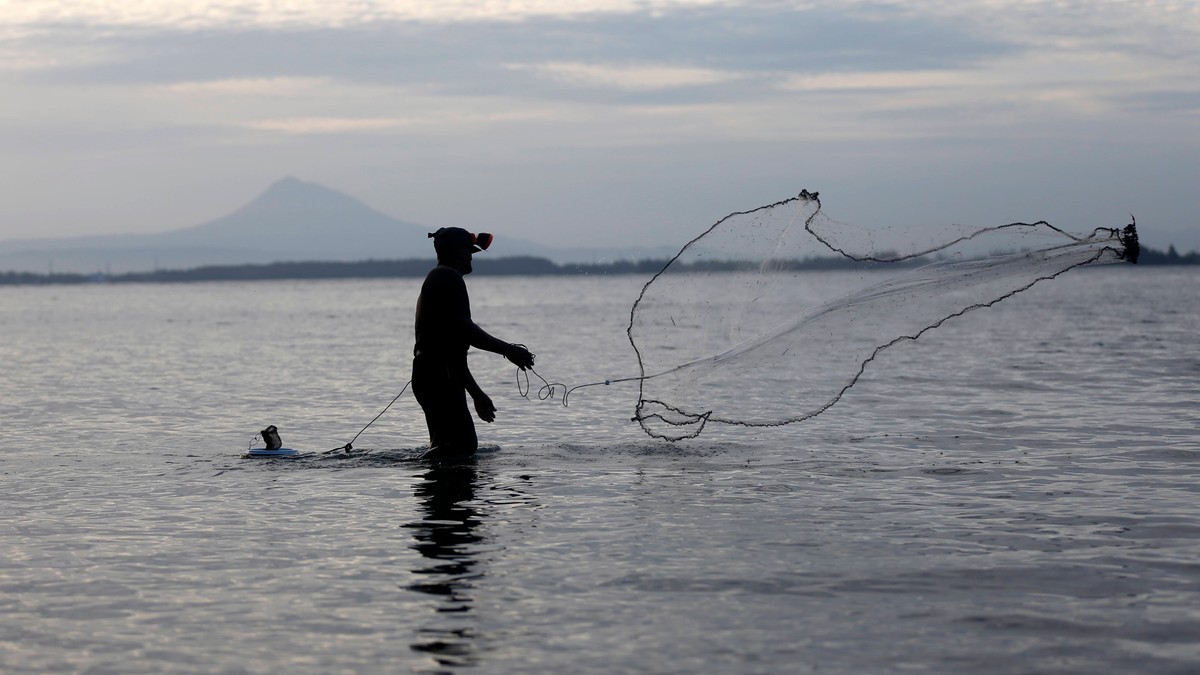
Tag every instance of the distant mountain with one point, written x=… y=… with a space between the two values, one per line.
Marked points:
x=293 y=220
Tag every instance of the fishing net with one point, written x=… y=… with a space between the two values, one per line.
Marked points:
x=738 y=304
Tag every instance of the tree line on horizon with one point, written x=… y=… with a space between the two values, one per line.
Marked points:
x=418 y=267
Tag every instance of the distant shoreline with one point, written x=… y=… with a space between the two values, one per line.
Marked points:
x=388 y=269
x=418 y=267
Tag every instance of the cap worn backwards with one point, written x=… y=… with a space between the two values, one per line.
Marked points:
x=455 y=238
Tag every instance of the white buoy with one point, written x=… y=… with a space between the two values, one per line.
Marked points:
x=268 y=452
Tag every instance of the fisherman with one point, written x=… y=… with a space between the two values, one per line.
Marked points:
x=444 y=331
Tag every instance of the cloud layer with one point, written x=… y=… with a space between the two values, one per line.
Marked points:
x=604 y=119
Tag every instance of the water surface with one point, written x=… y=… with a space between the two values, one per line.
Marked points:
x=1015 y=492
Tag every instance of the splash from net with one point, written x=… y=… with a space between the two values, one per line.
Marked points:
x=738 y=305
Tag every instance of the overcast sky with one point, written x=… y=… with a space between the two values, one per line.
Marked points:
x=599 y=122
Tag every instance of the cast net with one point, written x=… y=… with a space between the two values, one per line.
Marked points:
x=738 y=304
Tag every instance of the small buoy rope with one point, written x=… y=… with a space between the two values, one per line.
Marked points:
x=350 y=446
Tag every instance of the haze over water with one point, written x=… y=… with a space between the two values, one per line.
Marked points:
x=1014 y=492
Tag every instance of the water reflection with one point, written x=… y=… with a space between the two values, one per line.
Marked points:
x=447 y=536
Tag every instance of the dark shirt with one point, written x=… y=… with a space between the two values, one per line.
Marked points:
x=443 y=324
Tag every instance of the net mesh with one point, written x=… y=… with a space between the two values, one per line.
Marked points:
x=738 y=305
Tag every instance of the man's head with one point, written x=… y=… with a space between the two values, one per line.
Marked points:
x=455 y=246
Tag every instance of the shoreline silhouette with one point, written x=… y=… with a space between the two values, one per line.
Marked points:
x=417 y=267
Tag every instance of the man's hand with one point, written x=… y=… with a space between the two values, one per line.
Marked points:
x=485 y=408
x=520 y=356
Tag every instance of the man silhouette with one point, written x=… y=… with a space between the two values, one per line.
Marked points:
x=444 y=332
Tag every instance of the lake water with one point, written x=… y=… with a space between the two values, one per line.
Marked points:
x=1018 y=491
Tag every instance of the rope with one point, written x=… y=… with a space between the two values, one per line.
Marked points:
x=549 y=390
x=350 y=446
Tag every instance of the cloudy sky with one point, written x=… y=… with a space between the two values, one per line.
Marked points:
x=597 y=122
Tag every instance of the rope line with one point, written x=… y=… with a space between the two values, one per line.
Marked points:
x=549 y=390
x=350 y=446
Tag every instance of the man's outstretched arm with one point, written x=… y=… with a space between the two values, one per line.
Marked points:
x=481 y=339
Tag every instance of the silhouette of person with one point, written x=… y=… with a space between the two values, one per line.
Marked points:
x=444 y=332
